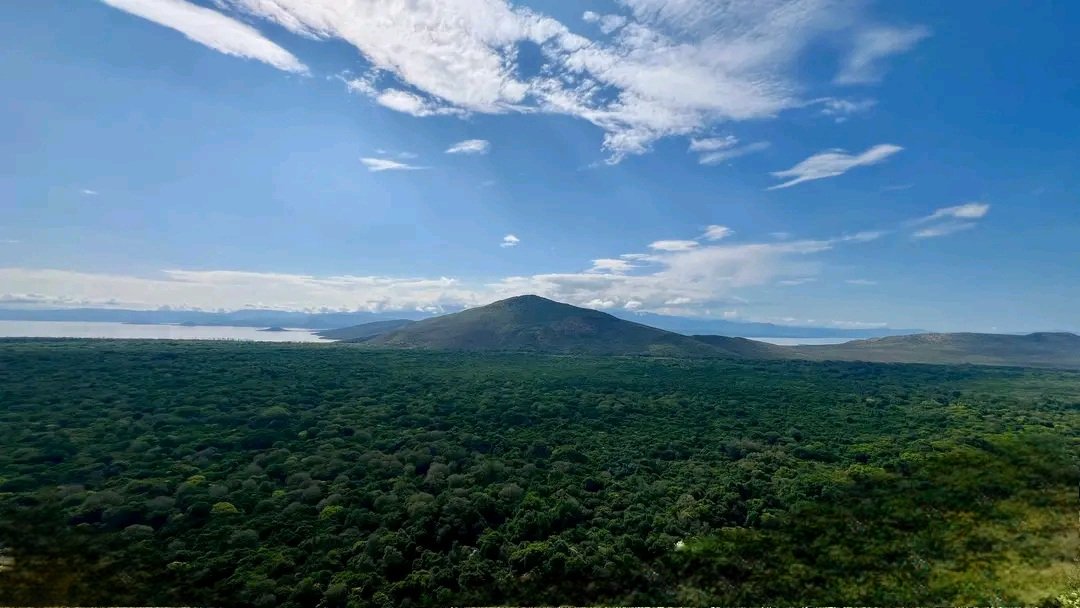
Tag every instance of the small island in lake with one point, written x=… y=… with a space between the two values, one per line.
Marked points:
x=274 y=328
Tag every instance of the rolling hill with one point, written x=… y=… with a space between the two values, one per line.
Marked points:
x=534 y=324
x=1046 y=349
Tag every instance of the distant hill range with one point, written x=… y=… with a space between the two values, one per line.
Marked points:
x=535 y=324
x=338 y=320
x=1046 y=349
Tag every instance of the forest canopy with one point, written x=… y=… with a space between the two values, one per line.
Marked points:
x=327 y=475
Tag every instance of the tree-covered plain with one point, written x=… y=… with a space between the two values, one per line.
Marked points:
x=328 y=475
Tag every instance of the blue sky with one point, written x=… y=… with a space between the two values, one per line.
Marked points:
x=812 y=162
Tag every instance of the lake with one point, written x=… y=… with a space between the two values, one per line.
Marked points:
x=802 y=341
x=78 y=329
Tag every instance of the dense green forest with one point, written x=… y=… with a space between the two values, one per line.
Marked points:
x=252 y=474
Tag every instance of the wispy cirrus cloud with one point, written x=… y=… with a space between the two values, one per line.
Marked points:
x=861 y=282
x=840 y=110
x=712 y=144
x=470 y=146
x=651 y=70
x=966 y=211
x=833 y=163
x=863 y=236
x=949 y=220
x=719 y=155
x=871 y=47
x=376 y=165
x=212 y=29
x=942 y=230
x=673 y=245
x=88 y=192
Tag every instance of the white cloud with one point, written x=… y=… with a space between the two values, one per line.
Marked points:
x=384 y=164
x=470 y=146
x=942 y=229
x=864 y=236
x=9 y=241
x=660 y=69
x=607 y=23
x=715 y=158
x=842 y=109
x=712 y=144
x=780 y=236
x=673 y=245
x=408 y=103
x=88 y=192
x=715 y=150
x=873 y=45
x=231 y=290
x=611 y=265
x=799 y=281
x=833 y=163
x=866 y=282
x=509 y=241
x=716 y=232
x=685 y=280
x=678 y=282
x=385 y=152
x=967 y=211
x=950 y=220
x=213 y=29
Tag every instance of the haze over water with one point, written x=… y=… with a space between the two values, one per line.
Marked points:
x=78 y=329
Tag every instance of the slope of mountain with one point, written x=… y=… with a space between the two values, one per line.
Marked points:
x=532 y=323
x=1047 y=349
x=364 y=331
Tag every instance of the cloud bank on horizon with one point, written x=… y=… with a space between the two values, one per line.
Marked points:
x=677 y=276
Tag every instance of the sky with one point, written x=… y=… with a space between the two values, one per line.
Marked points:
x=813 y=162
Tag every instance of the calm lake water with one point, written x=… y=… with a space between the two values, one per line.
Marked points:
x=802 y=341
x=67 y=329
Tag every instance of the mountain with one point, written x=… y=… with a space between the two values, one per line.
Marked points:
x=747 y=329
x=535 y=324
x=1046 y=349
x=364 y=331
